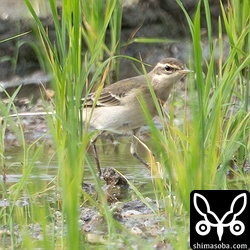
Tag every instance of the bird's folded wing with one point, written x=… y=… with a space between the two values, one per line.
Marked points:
x=105 y=99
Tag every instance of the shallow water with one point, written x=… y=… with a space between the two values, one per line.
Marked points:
x=45 y=169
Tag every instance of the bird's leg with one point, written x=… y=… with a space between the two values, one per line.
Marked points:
x=133 y=148
x=93 y=141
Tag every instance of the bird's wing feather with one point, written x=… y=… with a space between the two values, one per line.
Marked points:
x=113 y=94
x=105 y=99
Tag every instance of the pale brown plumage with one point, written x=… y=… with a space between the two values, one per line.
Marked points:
x=118 y=109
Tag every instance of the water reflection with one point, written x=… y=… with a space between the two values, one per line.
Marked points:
x=117 y=155
x=45 y=169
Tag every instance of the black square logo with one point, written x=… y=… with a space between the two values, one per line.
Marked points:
x=219 y=219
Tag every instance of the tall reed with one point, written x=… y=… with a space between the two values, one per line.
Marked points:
x=81 y=22
x=195 y=155
x=198 y=154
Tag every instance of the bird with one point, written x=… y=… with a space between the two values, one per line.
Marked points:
x=117 y=108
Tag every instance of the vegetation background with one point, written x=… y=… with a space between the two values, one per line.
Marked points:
x=84 y=55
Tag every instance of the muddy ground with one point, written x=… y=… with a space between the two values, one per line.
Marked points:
x=155 y=19
x=131 y=213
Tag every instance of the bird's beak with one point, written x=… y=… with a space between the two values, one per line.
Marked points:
x=186 y=71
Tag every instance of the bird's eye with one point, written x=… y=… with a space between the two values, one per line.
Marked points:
x=168 y=68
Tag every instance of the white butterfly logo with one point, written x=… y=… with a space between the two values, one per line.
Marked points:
x=203 y=227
